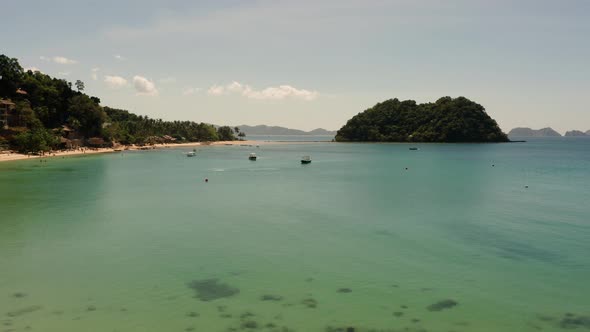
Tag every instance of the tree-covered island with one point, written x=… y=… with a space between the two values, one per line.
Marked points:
x=39 y=113
x=457 y=120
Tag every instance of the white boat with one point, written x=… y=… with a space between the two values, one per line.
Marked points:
x=306 y=160
x=192 y=153
x=252 y=156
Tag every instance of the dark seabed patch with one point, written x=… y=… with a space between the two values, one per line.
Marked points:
x=442 y=305
x=192 y=314
x=270 y=297
x=340 y=329
x=19 y=295
x=398 y=314
x=212 y=289
x=310 y=303
x=23 y=311
x=249 y=324
x=506 y=246
x=370 y=329
x=574 y=321
x=344 y=290
x=246 y=314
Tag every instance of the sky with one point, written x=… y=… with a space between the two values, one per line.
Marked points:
x=308 y=64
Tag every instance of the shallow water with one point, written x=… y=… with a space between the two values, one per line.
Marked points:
x=124 y=242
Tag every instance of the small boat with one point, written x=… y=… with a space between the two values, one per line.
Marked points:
x=305 y=159
x=413 y=149
x=192 y=153
x=252 y=156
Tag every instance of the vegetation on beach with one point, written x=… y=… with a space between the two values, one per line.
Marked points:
x=446 y=120
x=42 y=107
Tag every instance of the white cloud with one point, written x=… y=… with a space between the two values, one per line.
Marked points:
x=271 y=93
x=115 y=82
x=167 y=80
x=144 y=86
x=236 y=87
x=216 y=90
x=190 y=91
x=94 y=73
x=63 y=60
x=59 y=60
x=119 y=57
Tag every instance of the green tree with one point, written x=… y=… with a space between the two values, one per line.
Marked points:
x=225 y=133
x=11 y=74
x=79 y=85
x=90 y=116
x=25 y=116
x=35 y=141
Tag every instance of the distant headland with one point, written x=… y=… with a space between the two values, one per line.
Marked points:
x=577 y=133
x=452 y=120
x=528 y=132
x=275 y=130
x=545 y=132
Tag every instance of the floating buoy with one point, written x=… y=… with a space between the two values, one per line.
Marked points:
x=526 y=186
x=206 y=180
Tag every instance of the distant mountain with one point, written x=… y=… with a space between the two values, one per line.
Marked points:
x=528 y=132
x=275 y=130
x=572 y=133
x=321 y=132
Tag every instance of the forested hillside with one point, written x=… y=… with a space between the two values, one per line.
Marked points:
x=41 y=113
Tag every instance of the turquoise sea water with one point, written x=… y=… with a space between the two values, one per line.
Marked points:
x=353 y=240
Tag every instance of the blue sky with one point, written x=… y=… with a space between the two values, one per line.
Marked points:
x=308 y=64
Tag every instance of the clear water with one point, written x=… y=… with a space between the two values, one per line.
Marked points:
x=111 y=242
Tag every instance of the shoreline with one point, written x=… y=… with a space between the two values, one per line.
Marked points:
x=13 y=156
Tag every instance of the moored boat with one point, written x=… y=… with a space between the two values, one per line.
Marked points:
x=413 y=149
x=306 y=160
x=252 y=156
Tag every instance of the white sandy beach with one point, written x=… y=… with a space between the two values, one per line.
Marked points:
x=11 y=156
